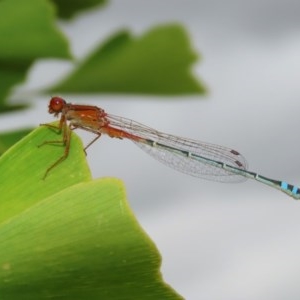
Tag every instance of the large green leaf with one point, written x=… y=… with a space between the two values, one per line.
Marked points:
x=23 y=167
x=7 y=139
x=70 y=237
x=158 y=62
x=27 y=32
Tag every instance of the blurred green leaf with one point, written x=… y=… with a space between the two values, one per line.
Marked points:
x=7 y=139
x=5 y=108
x=68 y=237
x=67 y=8
x=27 y=32
x=159 y=62
x=10 y=75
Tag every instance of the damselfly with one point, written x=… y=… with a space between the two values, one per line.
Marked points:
x=192 y=157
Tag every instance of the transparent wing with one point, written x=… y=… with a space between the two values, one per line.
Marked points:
x=175 y=151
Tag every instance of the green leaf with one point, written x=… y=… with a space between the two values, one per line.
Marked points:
x=24 y=165
x=7 y=139
x=70 y=237
x=67 y=8
x=159 y=62
x=27 y=32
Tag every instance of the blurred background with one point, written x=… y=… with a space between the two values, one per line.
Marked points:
x=218 y=241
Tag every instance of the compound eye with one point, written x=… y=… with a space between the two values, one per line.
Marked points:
x=56 y=104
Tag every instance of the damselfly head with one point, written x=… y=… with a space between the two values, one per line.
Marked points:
x=56 y=105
